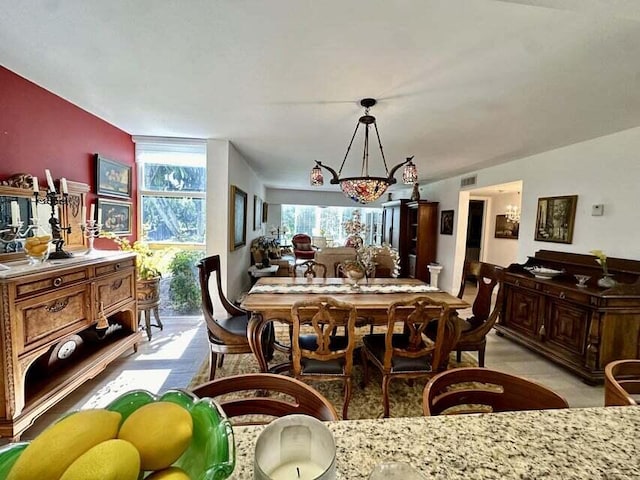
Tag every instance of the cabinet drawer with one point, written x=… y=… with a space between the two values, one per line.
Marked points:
x=43 y=320
x=114 y=267
x=51 y=283
x=520 y=281
x=566 y=294
x=115 y=289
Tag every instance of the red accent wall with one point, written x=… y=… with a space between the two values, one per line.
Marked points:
x=39 y=130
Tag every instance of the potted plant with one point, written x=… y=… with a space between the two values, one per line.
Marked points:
x=263 y=248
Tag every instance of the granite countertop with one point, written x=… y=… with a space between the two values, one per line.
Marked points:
x=590 y=443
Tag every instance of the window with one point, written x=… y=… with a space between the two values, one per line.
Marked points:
x=329 y=222
x=172 y=189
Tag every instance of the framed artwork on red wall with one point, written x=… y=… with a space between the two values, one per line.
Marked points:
x=112 y=178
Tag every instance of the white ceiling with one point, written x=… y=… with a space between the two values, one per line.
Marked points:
x=461 y=84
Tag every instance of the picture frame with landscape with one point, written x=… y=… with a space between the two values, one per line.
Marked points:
x=506 y=228
x=237 y=218
x=113 y=178
x=555 y=219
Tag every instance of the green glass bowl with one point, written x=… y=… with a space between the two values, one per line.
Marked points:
x=211 y=454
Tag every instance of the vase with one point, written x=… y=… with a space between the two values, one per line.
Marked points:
x=355 y=275
x=607 y=281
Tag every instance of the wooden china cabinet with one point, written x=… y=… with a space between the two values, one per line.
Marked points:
x=579 y=328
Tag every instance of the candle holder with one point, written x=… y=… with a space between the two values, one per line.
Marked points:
x=91 y=231
x=54 y=200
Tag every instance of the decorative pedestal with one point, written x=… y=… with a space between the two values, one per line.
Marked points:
x=434 y=272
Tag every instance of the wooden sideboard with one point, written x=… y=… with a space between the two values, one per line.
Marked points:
x=50 y=343
x=581 y=329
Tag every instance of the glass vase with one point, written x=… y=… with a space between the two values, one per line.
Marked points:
x=38 y=245
x=607 y=281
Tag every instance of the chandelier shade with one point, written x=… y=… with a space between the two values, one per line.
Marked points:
x=365 y=189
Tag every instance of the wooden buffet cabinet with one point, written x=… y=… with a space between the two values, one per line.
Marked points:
x=581 y=329
x=50 y=343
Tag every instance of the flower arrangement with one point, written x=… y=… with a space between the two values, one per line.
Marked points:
x=148 y=261
x=602 y=260
x=265 y=244
x=355 y=225
x=366 y=257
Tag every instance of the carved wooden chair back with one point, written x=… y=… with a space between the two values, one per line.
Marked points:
x=408 y=354
x=622 y=383
x=481 y=390
x=309 y=268
x=320 y=354
x=270 y=396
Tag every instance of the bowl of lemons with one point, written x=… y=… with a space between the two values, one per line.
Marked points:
x=174 y=436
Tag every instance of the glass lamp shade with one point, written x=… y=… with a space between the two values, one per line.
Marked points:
x=316 y=177
x=410 y=173
x=364 y=189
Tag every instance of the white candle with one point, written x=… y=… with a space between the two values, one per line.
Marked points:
x=100 y=216
x=36 y=187
x=52 y=187
x=84 y=214
x=92 y=215
x=15 y=213
x=63 y=185
x=302 y=470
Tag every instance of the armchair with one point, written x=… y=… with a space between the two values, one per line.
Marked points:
x=303 y=249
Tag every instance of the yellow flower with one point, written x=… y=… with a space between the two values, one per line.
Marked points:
x=602 y=259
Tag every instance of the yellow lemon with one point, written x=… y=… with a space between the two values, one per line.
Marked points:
x=112 y=459
x=161 y=431
x=171 y=473
x=51 y=452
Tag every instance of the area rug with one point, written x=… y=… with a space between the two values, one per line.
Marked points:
x=405 y=399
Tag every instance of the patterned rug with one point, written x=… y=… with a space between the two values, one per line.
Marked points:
x=405 y=399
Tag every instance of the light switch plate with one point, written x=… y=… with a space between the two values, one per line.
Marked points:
x=597 y=210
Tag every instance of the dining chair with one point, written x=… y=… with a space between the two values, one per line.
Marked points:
x=226 y=335
x=309 y=268
x=474 y=329
x=266 y=395
x=622 y=383
x=481 y=390
x=407 y=354
x=321 y=354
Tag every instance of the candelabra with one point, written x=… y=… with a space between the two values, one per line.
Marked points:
x=54 y=200
x=91 y=231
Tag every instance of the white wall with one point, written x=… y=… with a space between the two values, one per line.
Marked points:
x=499 y=251
x=601 y=171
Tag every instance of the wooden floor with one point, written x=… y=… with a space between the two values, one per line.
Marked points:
x=173 y=357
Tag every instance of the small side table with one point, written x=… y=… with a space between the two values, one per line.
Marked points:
x=255 y=272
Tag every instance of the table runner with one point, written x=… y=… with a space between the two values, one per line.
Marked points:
x=343 y=288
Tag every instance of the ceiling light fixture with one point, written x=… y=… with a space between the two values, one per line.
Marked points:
x=365 y=189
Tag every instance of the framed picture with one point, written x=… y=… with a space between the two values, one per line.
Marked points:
x=505 y=228
x=112 y=178
x=257 y=212
x=115 y=216
x=555 y=219
x=265 y=210
x=237 y=218
x=446 y=222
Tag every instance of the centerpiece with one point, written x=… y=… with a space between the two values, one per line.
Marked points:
x=607 y=280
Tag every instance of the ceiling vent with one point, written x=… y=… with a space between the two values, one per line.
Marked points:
x=468 y=181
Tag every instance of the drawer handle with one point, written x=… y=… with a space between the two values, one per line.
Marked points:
x=116 y=284
x=57 y=306
x=562 y=295
x=57 y=282
x=117 y=266
x=517 y=282
x=542 y=332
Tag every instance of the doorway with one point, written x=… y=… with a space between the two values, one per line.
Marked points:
x=475 y=222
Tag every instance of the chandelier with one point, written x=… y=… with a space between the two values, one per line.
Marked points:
x=365 y=189
x=513 y=213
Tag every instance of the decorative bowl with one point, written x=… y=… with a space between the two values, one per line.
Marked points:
x=211 y=454
x=543 y=272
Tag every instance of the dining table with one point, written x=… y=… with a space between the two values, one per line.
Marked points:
x=271 y=299
x=572 y=443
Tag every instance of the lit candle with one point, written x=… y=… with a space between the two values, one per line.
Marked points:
x=36 y=187
x=303 y=470
x=52 y=187
x=63 y=185
x=100 y=216
x=84 y=213
x=92 y=215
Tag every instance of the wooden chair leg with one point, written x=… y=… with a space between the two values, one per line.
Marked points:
x=347 y=398
x=220 y=361
x=481 y=356
x=213 y=361
x=385 y=395
x=458 y=356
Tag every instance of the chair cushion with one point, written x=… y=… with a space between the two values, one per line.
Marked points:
x=236 y=325
x=375 y=344
x=432 y=328
x=303 y=246
x=332 y=367
x=310 y=342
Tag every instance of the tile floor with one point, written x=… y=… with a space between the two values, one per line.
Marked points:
x=174 y=355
